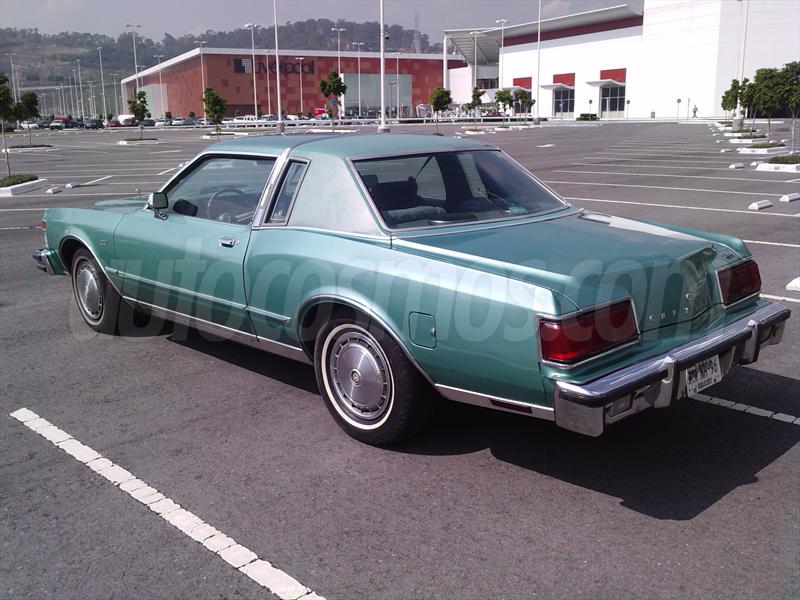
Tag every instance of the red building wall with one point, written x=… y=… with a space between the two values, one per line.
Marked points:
x=184 y=86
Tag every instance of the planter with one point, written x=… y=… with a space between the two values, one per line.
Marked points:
x=739 y=134
x=768 y=151
x=780 y=168
x=23 y=150
x=745 y=140
x=21 y=188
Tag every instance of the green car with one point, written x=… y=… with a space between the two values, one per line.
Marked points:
x=408 y=267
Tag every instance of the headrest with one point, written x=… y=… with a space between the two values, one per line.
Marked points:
x=393 y=195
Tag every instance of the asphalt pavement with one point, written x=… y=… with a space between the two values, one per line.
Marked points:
x=699 y=500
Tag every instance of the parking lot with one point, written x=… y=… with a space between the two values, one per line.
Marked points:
x=695 y=501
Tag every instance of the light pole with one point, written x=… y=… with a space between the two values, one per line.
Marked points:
x=103 y=84
x=502 y=23
x=627 y=108
x=73 y=106
x=539 y=56
x=679 y=109
x=80 y=85
x=160 y=83
x=397 y=80
x=744 y=47
x=339 y=31
x=474 y=35
x=358 y=54
x=90 y=83
x=382 y=128
x=201 y=44
x=301 y=59
x=277 y=67
x=11 y=56
x=252 y=28
x=133 y=29
x=44 y=102
x=269 y=92
x=393 y=83
x=116 y=98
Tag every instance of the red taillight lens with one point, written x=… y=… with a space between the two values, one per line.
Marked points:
x=583 y=336
x=739 y=282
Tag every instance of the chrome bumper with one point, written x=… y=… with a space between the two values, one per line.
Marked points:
x=657 y=381
x=42 y=258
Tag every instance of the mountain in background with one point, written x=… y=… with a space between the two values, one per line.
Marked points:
x=48 y=59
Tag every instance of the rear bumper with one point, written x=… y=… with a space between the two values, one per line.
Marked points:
x=46 y=260
x=657 y=381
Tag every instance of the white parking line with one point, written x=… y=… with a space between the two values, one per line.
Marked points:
x=746 y=408
x=780 y=298
x=167 y=171
x=246 y=561
x=97 y=180
x=681 y=167
x=728 y=210
x=772 y=243
x=657 y=160
x=731 y=178
x=658 y=187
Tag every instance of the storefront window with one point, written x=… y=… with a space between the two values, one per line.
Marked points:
x=563 y=102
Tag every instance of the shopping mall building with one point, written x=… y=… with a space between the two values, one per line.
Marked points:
x=658 y=62
x=618 y=62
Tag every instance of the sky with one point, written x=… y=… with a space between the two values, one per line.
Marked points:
x=179 y=17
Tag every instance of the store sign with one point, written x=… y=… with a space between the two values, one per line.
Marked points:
x=245 y=65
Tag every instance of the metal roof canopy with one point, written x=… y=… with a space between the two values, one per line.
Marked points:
x=488 y=49
x=557 y=86
x=605 y=83
x=590 y=17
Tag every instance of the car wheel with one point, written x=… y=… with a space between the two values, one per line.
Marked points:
x=98 y=301
x=369 y=385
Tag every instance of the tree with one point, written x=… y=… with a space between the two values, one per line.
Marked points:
x=523 y=97
x=789 y=92
x=440 y=100
x=6 y=113
x=746 y=91
x=168 y=115
x=504 y=98
x=766 y=95
x=333 y=86
x=730 y=99
x=138 y=108
x=192 y=114
x=215 y=107
x=27 y=108
x=475 y=103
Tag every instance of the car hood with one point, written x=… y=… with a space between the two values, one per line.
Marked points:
x=122 y=205
x=592 y=258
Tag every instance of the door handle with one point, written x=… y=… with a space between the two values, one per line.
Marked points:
x=227 y=242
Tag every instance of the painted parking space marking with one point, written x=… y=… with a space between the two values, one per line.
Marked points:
x=707 y=208
x=657 y=160
x=167 y=171
x=98 y=180
x=747 y=408
x=732 y=178
x=771 y=243
x=239 y=557
x=780 y=298
x=659 y=187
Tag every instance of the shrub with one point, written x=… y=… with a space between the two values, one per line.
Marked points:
x=16 y=179
x=135 y=139
x=770 y=145
x=31 y=146
x=587 y=117
x=791 y=159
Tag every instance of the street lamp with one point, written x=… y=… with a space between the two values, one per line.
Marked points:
x=252 y=28
x=502 y=23
x=277 y=67
x=44 y=102
x=80 y=84
x=133 y=29
x=358 y=54
x=116 y=98
x=14 y=93
x=679 y=109
x=92 y=110
x=201 y=44
x=382 y=128
x=72 y=93
x=397 y=80
x=269 y=92
x=301 y=59
x=393 y=83
x=102 y=84
x=338 y=31
x=627 y=108
x=475 y=35
x=160 y=83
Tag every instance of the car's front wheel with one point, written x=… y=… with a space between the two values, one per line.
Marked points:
x=98 y=301
x=369 y=385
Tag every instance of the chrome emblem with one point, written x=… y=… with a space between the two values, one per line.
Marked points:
x=728 y=255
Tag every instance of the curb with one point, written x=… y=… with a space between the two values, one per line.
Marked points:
x=138 y=143
x=21 y=188
x=783 y=168
x=760 y=205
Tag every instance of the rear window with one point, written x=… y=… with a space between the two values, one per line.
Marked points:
x=452 y=187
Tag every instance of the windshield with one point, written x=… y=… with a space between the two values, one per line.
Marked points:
x=452 y=187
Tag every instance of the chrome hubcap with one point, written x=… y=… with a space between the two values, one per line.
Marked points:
x=360 y=376
x=87 y=290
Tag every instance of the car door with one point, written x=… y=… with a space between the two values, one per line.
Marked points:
x=188 y=259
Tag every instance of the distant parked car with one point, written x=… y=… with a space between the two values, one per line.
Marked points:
x=114 y=123
x=163 y=122
x=56 y=124
x=129 y=122
x=179 y=121
x=92 y=123
x=148 y=123
x=29 y=125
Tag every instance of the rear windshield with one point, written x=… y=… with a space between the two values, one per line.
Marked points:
x=452 y=187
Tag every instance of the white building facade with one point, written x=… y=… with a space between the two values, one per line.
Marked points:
x=620 y=63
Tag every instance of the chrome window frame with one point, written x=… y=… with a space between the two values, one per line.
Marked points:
x=267 y=222
x=351 y=160
x=582 y=311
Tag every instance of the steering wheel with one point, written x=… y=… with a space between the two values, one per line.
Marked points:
x=227 y=217
x=223 y=192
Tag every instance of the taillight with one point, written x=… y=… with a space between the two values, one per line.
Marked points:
x=739 y=282
x=588 y=334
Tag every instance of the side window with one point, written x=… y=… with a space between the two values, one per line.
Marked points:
x=287 y=192
x=225 y=189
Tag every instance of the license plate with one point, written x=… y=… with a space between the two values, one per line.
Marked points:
x=702 y=375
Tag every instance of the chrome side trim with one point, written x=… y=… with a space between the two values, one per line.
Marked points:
x=269 y=315
x=225 y=332
x=495 y=402
x=180 y=290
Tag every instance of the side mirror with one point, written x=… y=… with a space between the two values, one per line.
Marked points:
x=157 y=201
